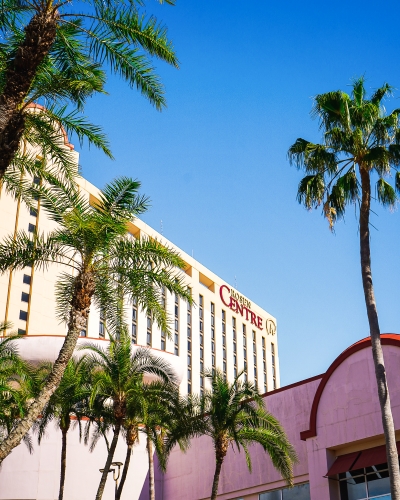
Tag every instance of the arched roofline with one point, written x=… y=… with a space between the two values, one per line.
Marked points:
x=386 y=339
x=34 y=105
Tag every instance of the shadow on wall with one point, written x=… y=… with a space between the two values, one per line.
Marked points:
x=158 y=483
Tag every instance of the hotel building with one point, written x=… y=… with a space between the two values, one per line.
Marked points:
x=223 y=329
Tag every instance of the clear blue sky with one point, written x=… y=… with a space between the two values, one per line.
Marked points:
x=214 y=163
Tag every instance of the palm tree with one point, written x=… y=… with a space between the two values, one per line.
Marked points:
x=113 y=34
x=360 y=141
x=67 y=401
x=234 y=414
x=91 y=242
x=116 y=373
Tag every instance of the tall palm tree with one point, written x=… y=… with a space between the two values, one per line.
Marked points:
x=360 y=142
x=116 y=373
x=113 y=34
x=91 y=242
x=234 y=414
x=65 y=403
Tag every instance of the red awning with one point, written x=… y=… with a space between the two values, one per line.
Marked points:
x=359 y=460
x=372 y=456
x=343 y=463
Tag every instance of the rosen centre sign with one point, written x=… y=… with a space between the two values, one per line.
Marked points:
x=240 y=305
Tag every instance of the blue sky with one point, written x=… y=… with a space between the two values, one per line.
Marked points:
x=214 y=162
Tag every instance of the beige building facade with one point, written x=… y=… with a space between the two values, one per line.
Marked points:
x=224 y=329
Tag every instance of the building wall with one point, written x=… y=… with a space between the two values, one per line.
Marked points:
x=189 y=476
x=347 y=419
x=37 y=476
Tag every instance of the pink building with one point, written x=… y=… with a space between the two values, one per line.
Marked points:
x=334 y=422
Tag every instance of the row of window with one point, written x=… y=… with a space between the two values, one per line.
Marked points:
x=235 y=365
x=201 y=334
x=27 y=278
x=298 y=492
x=189 y=343
x=273 y=365
x=176 y=334
x=223 y=341
x=164 y=304
x=213 y=359
x=264 y=357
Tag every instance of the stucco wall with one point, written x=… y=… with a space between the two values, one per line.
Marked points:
x=189 y=476
x=349 y=414
x=348 y=418
x=36 y=476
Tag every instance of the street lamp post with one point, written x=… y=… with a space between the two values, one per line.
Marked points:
x=116 y=474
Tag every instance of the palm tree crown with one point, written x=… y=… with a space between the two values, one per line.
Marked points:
x=358 y=134
x=55 y=51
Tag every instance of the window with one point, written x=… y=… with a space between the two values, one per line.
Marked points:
x=102 y=329
x=164 y=297
x=24 y=297
x=83 y=333
x=26 y=279
x=31 y=228
x=273 y=365
x=149 y=334
x=298 y=492
x=176 y=337
x=23 y=315
x=134 y=321
x=36 y=180
x=21 y=331
x=364 y=484
x=33 y=212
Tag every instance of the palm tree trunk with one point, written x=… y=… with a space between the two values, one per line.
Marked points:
x=63 y=463
x=152 y=491
x=110 y=457
x=214 y=491
x=80 y=304
x=377 y=352
x=40 y=34
x=124 y=471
